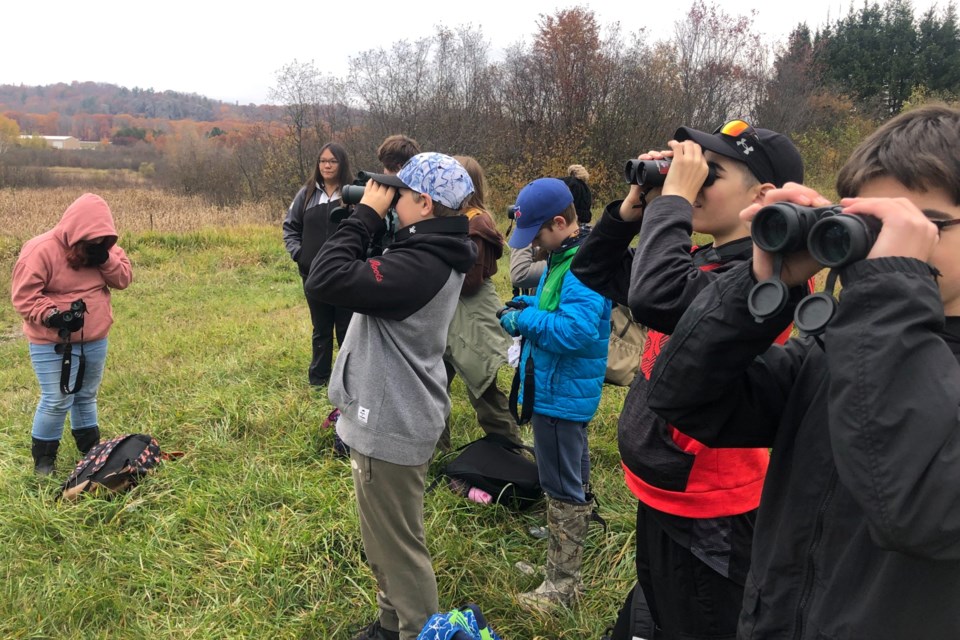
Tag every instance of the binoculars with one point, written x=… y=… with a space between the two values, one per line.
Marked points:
x=351 y=194
x=834 y=239
x=652 y=173
x=72 y=319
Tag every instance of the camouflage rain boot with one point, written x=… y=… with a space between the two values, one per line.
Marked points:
x=567 y=525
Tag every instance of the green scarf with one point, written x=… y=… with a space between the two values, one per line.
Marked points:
x=557 y=267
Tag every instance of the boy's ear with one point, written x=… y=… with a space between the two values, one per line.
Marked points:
x=762 y=191
x=559 y=222
x=427 y=203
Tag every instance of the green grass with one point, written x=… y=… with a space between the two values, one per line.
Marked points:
x=254 y=532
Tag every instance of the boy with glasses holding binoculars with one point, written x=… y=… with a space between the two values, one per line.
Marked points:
x=858 y=533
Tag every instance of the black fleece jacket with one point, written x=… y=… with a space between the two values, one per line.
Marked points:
x=858 y=533
x=401 y=281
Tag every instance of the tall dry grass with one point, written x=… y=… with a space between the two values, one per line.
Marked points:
x=26 y=212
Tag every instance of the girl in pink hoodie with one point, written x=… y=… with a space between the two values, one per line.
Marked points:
x=78 y=259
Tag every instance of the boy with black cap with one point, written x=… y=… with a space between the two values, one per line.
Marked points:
x=565 y=327
x=389 y=381
x=696 y=505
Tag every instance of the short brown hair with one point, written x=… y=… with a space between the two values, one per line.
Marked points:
x=439 y=210
x=395 y=150
x=919 y=148
x=569 y=214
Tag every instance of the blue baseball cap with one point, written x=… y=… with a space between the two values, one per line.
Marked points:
x=435 y=174
x=538 y=202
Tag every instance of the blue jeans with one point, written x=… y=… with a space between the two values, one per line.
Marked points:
x=54 y=404
x=563 y=457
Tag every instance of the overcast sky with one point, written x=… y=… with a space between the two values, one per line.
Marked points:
x=231 y=51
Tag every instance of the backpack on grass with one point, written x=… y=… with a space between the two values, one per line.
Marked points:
x=503 y=469
x=115 y=465
x=465 y=623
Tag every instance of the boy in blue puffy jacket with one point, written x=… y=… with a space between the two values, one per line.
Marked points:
x=565 y=329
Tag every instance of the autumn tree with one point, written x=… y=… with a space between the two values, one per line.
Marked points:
x=720 y=65
x=298 y=89
x=9 y=134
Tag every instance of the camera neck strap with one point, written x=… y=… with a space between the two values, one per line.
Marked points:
x=65 y=349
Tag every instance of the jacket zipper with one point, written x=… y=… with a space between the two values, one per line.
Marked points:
x=811 y=552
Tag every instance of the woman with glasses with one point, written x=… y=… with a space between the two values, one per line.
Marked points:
x=306 y=228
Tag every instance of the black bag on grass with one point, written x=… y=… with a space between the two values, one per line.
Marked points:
x=505 y=470
x=115 y=465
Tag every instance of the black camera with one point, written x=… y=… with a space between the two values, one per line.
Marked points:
x=512 y=212
x=652 y=173
x=834 y=239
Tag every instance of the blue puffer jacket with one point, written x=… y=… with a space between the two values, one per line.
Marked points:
x=569 y=349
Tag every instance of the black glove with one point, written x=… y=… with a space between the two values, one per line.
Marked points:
x=97 y=254
x=511 y=305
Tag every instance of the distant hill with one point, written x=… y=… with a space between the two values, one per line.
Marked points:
x=102 y=98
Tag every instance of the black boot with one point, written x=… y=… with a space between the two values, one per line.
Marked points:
x=86 y=438
x=44 y=456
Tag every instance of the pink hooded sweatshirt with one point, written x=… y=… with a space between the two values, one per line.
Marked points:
x=42 y=278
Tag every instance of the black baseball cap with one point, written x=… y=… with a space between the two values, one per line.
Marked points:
x=770 y=156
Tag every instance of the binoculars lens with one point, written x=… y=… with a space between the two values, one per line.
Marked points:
x=842 y=239
x=351 y=194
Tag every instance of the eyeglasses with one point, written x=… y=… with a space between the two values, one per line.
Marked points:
x=944 y=224
x=325 y=161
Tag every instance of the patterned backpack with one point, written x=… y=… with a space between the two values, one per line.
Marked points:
x=465 y=623
x=115 y=465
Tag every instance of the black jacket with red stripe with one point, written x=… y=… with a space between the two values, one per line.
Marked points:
x=665 y=469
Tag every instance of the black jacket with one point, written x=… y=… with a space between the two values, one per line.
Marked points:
x=401 y=281
x=308 y=226
x=858 y=534
x=660 y=280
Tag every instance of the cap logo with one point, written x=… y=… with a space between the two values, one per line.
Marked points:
x=746 y=148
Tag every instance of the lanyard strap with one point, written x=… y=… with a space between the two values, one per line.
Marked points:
x=65 y=349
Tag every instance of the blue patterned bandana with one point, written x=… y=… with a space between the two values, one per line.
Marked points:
x=439 y=176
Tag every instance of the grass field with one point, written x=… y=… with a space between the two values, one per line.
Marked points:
x=254 y=532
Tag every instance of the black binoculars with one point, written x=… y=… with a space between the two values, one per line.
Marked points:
x=72 y=319
x=652 y=173
x=351 y=194
x=834 y=239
